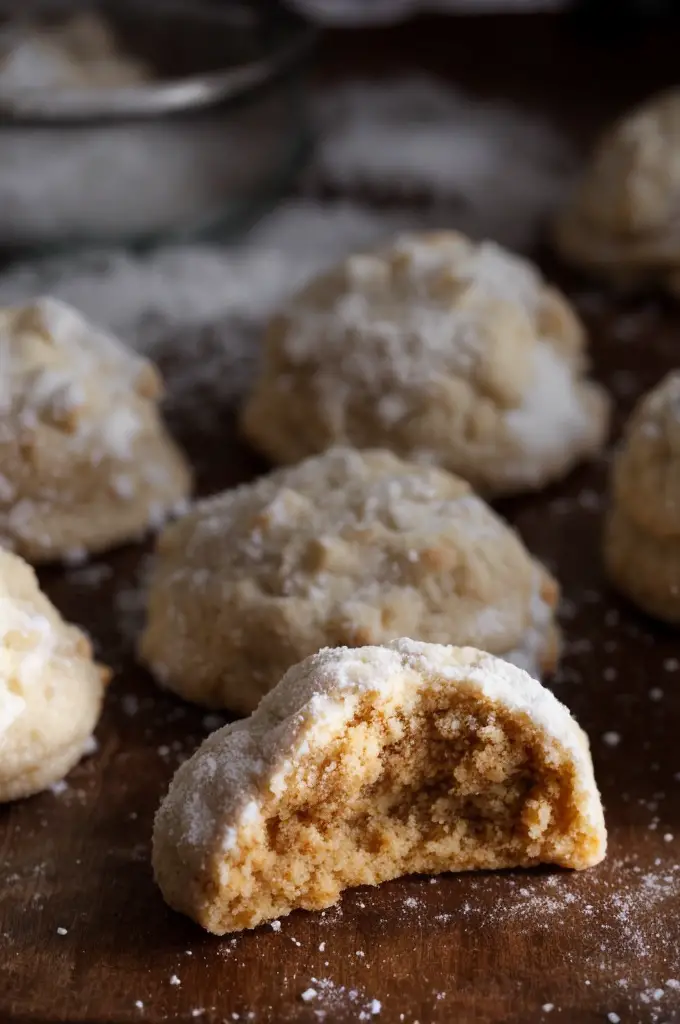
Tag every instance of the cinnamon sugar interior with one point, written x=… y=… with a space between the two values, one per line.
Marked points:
x=448 y=787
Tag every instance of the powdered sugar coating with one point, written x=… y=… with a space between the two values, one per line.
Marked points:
x=78 y=413
x=241 y=773
x=621 y=220
x=50 y=689
x=443 y=350
x=642 y=542
x=346 y=548
x=647 y=469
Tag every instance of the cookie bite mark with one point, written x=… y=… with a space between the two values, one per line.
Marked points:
x=367 y=764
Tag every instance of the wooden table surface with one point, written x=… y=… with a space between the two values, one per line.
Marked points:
x=84 y=933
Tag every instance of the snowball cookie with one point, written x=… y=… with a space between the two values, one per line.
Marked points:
x=622 y=221
x=443 y=350
x=366 y=764
x=50 y=688
x=347 y=548
x=85 y=462
x=642 y=540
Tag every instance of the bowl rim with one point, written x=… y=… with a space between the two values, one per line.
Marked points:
x=157 y=99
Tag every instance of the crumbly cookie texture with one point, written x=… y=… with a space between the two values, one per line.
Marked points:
x=347 y=548
x=622 y=219
x=445 y=351
x=85 y=461
x=366 y=764
x=50 y=688
x=642 y=538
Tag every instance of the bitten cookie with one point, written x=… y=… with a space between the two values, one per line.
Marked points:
x=85 y=461
x=348 y=548
x=642 y=540
x=50 y=688
x=445 y=351
x=622 y=221
x=363 y=765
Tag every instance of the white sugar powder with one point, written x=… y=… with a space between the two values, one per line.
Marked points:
x=199 y=310
x=493 y=169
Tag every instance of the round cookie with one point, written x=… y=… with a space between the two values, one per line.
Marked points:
x=50 y=688
x=445 y=351
x=622 y=219
x=364 y=765
x=85 y=461
x=346 y=548
x=642 y=538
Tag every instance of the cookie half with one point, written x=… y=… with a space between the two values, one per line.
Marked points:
x=367 y=764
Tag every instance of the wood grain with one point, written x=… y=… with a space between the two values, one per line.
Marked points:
x=512 y=947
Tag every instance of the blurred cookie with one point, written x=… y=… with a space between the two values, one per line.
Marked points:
x=642 y=541
x=445 y=351
x=50 y=689
x=85 y=461
x=347 y=548
x=622 y=221
x=363 y=765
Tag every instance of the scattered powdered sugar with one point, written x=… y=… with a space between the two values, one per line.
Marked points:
x=130 y=604
x=198 y=310
x=90 y=575
x=499 y=167
x=491 y=168
x=332 y=999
